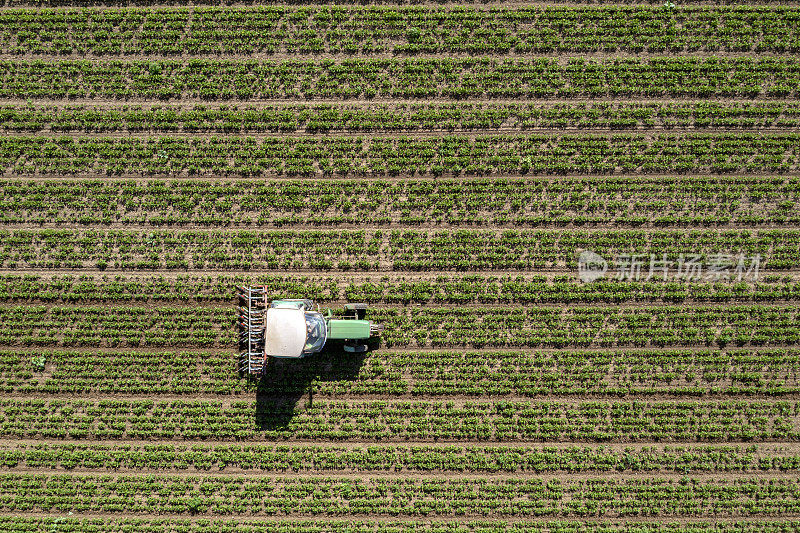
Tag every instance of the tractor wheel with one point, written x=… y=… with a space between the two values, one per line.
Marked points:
x=355 y=348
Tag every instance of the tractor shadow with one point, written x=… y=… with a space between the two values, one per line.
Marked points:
x=286 y=386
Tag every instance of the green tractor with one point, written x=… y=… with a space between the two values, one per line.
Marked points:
x=295 y=328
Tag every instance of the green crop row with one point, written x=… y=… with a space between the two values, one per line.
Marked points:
x=481 y=77
x=382 y=496
x=585 y=326
x=184 y=287
x=472 y=289
x=557 y=327
x=309 y=4
x=590 y=326
x=381 y=30
x=117 y=326
x=398 y=117
x=530 y=202
x=456 y=155
x=378 y=458
x=71 y=524
x=382 y=420
x=733 y=252
x=462 y=289
x=619 y=373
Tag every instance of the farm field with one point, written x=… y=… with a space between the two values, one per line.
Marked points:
x=578 y=223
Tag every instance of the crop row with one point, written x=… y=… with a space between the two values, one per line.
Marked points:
x=619 y=373
x=557 y=327
x=584 y=326
x=482 y=77
x=358 y=156
x=719 y=254
x=381 y=496
x=309 y=4
x=323 y=118
x=591 y=326
x=190 y=288
x=382 y=420
x=117 y=326
x=461 y=289
x=374 y=458
x=471 y=289
x=371 y=30
x=531 y=202
x=72 y=524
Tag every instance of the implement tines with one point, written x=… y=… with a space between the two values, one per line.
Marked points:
x=251 y=309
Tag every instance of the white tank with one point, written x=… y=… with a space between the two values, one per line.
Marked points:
x=285 y=332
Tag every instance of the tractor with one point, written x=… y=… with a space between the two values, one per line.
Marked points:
x=295 y=328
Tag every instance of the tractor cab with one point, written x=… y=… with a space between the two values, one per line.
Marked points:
x=293 y=329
